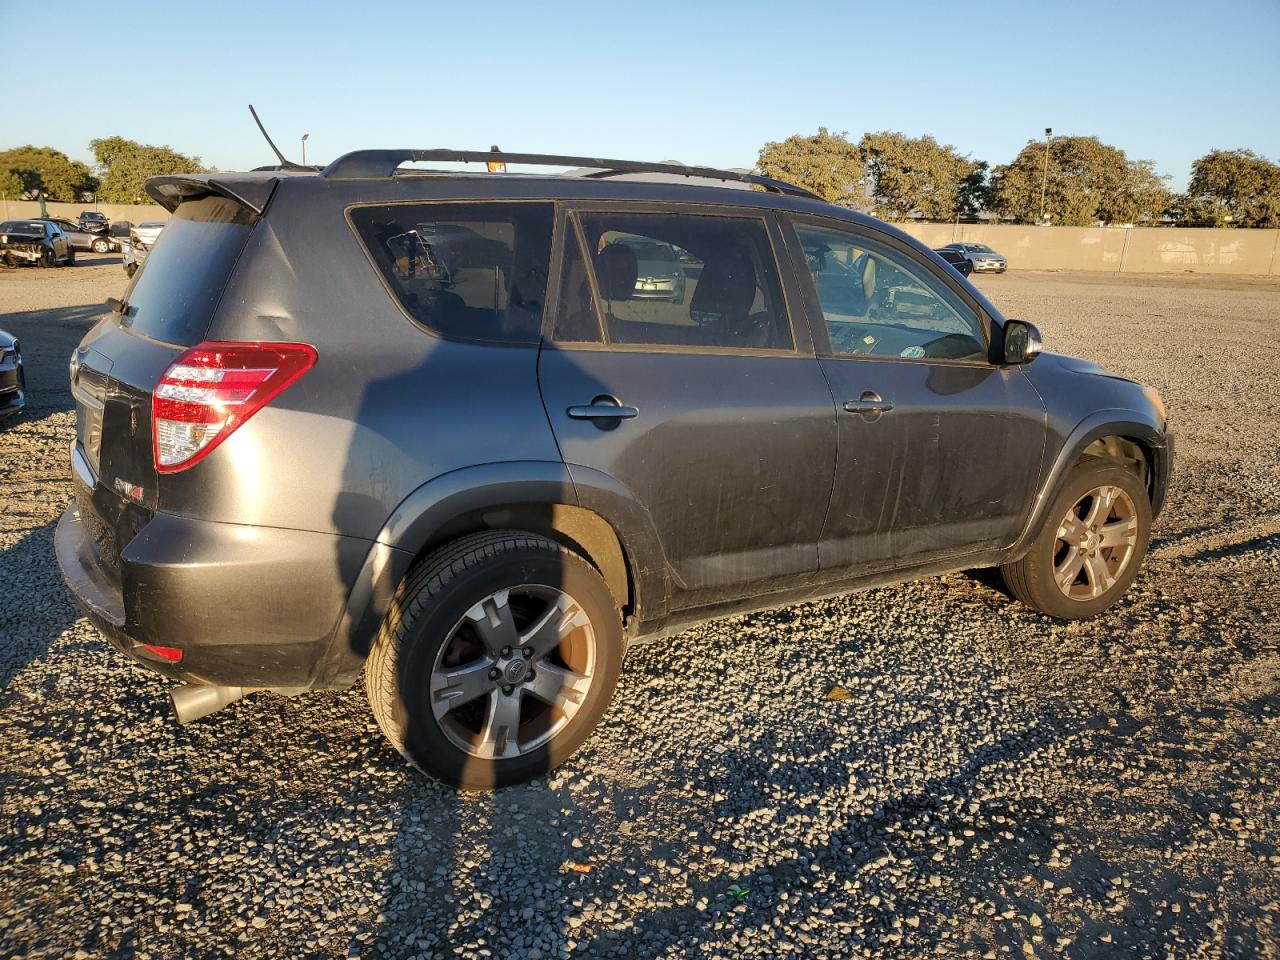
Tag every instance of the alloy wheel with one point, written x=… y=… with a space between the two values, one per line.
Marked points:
x=1096 y=541
x=513 y=672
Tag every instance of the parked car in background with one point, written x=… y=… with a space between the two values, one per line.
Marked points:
x=957 y=259
x=12 y=383
x=982 y=258
x=477 y=501
x=135 y=255
x=91 y=221
x=35 y=241
x=83 y=239
x=147 y=232
x=659 y=275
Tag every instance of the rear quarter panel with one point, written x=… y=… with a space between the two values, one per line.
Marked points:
x=387 y=407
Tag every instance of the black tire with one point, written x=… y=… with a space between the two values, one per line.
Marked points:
x=101 y=246
x=47 y=259
x=1031 y=579
x=424 y=611
x=71 y=257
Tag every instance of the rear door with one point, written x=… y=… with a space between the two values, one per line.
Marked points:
x=693 y=390
x=939 y=448
x=166 y=309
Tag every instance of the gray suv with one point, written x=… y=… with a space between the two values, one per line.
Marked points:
x=426 y=425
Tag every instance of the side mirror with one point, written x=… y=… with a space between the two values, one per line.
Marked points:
x=1022 y=342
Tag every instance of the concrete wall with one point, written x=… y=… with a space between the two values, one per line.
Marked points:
x=134 y=213
x=1116 y=249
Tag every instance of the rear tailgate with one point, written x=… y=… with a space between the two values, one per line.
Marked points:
x=166 y=309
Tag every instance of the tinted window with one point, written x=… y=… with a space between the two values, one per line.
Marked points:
x=879 y=302
x=685 y=280
x=173 y=296
x=473 y=271
x=22 y=228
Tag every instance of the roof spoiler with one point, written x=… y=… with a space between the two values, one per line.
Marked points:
x=251 y=192
x=380 y=164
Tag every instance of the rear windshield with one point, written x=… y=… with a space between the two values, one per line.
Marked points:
x=173 y=296
x=22 y=229
x=468 y=271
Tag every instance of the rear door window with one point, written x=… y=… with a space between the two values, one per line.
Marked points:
x=467 y=271
x=173 y=296
x=681 y=280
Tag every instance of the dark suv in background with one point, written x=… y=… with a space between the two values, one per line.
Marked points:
x=447 y=428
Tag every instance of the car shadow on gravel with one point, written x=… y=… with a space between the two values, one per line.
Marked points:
x=36 y=609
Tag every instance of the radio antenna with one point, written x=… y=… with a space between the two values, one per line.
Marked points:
x=286 y=164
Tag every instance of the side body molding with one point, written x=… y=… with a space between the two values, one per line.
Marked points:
x=538 y=494
x=1104 y=423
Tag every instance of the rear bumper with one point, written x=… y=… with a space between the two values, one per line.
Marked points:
x=248 y=606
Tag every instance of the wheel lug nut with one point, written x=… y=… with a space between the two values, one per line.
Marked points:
x=493 y=674
x=527 y=652
x=531 y=675
x=506 y=651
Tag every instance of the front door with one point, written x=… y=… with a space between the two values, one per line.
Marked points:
x=674 y=368
x=954 y=441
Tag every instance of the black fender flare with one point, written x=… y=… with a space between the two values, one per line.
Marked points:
x=416 y=521
x=1104 y=423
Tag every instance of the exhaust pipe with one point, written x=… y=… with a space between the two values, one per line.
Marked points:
x=191 y=701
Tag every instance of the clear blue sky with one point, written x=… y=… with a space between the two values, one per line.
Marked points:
x=698 y=82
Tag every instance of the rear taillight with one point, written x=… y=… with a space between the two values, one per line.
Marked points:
x=212 y=389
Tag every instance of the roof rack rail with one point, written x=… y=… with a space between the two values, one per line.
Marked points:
x=378 y=164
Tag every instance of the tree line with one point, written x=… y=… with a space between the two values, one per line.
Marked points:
x=1070 y=181
x=119 y=174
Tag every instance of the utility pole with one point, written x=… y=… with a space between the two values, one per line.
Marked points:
x=1044 y=180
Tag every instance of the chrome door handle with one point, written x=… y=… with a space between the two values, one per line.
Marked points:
x=868 y=404
x=603 y=407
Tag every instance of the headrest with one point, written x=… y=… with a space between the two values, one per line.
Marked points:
x=726 y=286
x=616 y=271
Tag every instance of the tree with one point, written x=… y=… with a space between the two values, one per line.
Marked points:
x=826 y=163
x=910 y=176
x=10 y=185
x=1233 y=188
x=1142 y=195
x=126 y=165
x=1088 y=181
x=46 y=169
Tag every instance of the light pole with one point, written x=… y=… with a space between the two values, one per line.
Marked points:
x=1044 y=180
x=304 y=148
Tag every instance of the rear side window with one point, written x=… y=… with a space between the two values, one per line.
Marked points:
x=173 y=296
x=682 y=280
x=468 y=271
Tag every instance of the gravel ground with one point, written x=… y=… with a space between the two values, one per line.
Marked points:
x=985 y=782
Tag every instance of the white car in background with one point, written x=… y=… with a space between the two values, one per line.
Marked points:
x=983 y=258
x=147 y=231
x=141 y=239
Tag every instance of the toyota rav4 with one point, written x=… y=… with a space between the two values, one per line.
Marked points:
x=445 y=429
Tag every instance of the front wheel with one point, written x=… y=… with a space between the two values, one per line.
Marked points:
x=496 y=660
x=101 y=246
x=1091 y=545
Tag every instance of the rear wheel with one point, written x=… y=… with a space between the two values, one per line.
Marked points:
x=496 y=660
x=101 y=246
x=1091 y=546
x=71 y=257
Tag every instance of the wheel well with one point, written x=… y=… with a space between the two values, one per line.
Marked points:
x=580 y=530
x=1131 y=454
